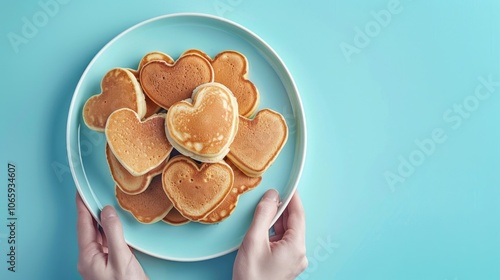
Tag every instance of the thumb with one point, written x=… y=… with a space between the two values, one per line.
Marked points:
x=263 y=216
x=112 y=226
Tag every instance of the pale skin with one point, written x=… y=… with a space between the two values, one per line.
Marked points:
x=105 y=254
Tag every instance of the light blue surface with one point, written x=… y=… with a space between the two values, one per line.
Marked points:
x=194 y=241
x=364 y=111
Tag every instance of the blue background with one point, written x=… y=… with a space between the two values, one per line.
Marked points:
x=371 y=92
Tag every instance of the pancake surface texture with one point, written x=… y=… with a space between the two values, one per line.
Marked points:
x=119 y=89
x=205 y=128
x=231 y=70
x=167 y=84
x=149 y=206
x=258 y=142
x=127 y=182
x=196 y=190
x=242 y=184
x=139 y=146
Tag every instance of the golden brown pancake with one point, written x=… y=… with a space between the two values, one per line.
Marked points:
x=198 y=52
x=175 y=218
x=119 y=89
x=149 y=206
x=196 y=190
x=127 y=182
x=156 y=55
x=242 y=184
x=151 y=107
x=205 y=128
x=167 y=84
x=140 y=146
x=231 y=70
x=258 y=142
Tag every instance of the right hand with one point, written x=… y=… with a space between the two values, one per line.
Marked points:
x=282 y=256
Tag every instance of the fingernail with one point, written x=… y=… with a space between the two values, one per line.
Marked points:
x=272 y=195
x=108 y=212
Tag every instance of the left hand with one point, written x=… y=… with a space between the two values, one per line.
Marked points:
x=104 y=255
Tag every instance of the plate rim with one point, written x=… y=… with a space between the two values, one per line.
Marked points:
x=298 y=111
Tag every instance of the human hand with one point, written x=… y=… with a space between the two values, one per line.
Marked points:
x=282 y=256
x=104 y=255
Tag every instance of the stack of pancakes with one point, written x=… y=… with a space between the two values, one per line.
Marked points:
x=203 y=110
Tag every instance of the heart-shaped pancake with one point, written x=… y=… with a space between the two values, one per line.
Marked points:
x=149 y=206
x=205 y=128
x=242 y=184
x=119 y=89
x=231 y=70
x=139 y=146
x=258 y=142
x=166 y=84
x=196 y=190
x=127 y=182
